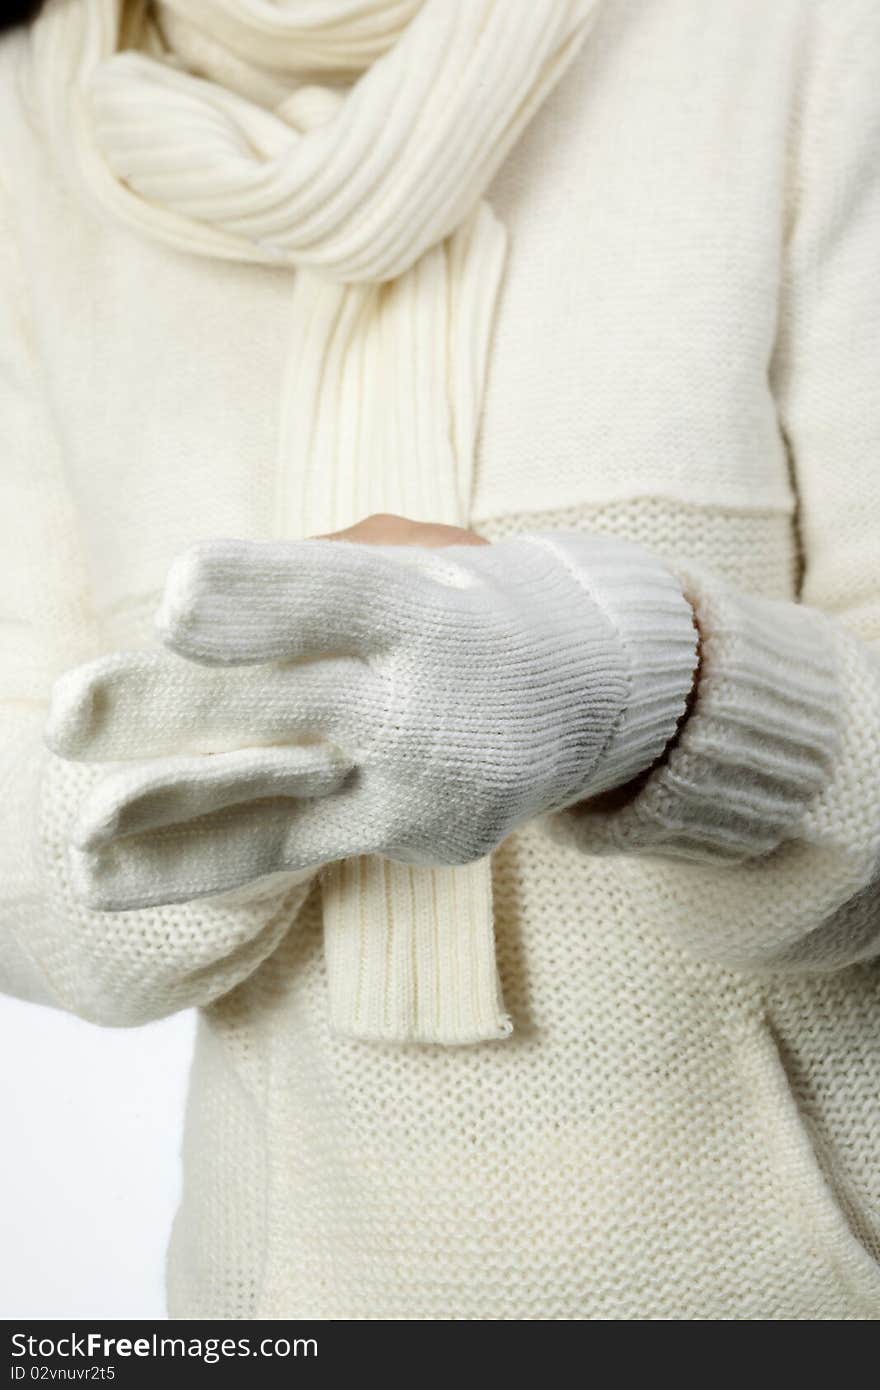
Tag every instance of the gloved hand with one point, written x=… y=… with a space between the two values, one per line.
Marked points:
x=323 y=699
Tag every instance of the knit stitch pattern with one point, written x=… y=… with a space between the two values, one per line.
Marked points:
x=683 y=1120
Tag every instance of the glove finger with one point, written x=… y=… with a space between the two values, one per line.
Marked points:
x=236 y=602
x=219 y=851
x=147 y=704
x=170 y=792
x=197 y=859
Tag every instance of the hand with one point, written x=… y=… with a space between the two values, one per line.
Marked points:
x=386 y=528
x=327 y=698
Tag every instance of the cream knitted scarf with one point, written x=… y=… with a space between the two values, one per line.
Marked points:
x=365 y=178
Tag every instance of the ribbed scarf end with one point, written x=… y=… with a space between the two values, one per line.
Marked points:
x=488 y=1032
x=410 y=952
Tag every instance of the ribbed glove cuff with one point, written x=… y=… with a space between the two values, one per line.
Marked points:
x=757 y=749
x=654 y=622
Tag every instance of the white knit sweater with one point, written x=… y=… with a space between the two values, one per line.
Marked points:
x=684 y=1121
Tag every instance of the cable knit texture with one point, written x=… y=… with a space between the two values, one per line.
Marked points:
x=656 y=324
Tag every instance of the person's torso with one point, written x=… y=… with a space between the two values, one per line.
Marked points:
x=639 y=1146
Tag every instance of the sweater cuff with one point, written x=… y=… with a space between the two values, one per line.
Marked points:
x=758 y=745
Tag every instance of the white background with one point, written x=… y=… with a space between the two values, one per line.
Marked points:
x=92 y=1124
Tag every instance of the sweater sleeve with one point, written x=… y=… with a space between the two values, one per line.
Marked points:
x=760 y=828
x=122 y=968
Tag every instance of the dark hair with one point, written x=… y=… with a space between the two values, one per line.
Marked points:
x=18 y=12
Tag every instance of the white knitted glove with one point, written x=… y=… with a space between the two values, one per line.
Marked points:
x=417 y=703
